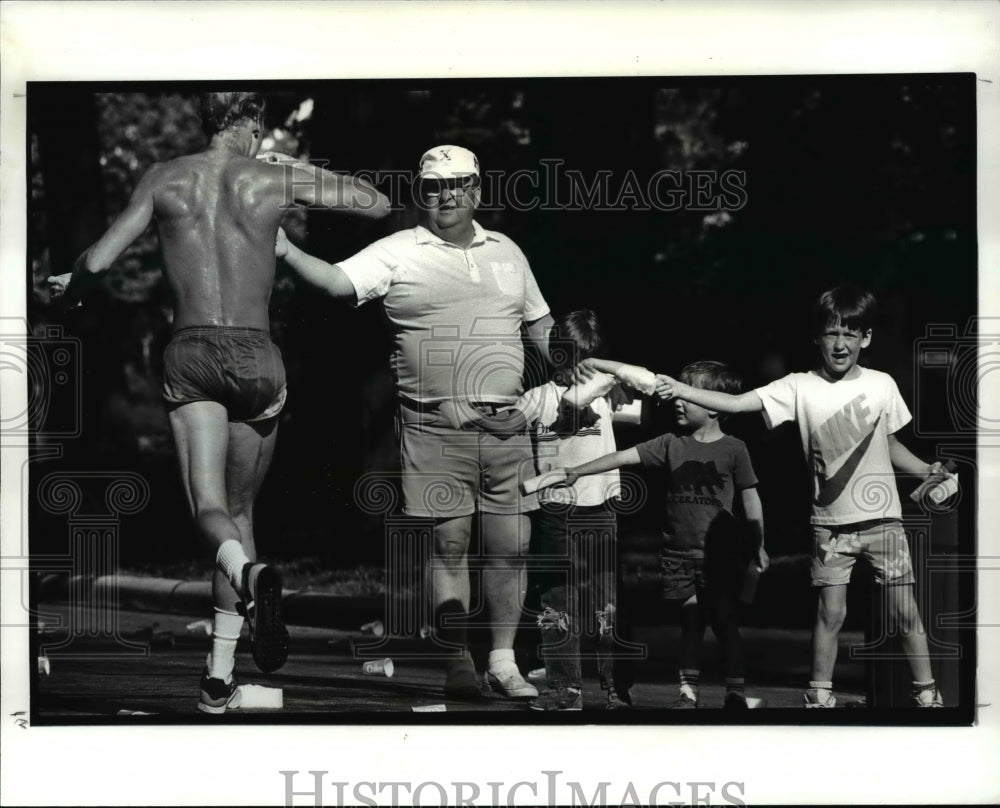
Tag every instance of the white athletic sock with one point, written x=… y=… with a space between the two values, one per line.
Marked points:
x=501 y=658
x=230 y=559
x=823 y=690
x=225 y=634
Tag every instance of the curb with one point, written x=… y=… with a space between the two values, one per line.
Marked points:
x=171 y=596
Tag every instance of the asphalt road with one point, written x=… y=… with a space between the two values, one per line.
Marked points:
x=154 y=668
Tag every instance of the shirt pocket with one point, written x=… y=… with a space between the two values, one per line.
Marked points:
x=509 y=277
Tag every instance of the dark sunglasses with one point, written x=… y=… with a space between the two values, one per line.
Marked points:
x=432 y=188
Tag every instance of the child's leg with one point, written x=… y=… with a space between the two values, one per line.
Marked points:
x=889 y=553
x=681 y=583
x=830 y=613
x=599 y=558
x=559 y=617
x=834 y=553
x=903 y=613
x=692 y=634
x=724 y=618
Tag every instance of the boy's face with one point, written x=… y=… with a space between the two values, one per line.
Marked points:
x=840 y=347
x=692 y=416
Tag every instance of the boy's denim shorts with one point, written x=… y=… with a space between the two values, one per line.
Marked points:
x=881 y=543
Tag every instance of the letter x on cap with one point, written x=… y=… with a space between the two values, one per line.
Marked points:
x=448 y=162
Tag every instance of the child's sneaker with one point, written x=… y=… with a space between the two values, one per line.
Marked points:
x=735 y=701
x=618 y=701
x=557 y=699
x=813 y=700
x=928 y=697
x=683 y=702
x=537 y=676
x=217 y=695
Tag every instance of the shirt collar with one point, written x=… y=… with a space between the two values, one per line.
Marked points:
x=479 y=236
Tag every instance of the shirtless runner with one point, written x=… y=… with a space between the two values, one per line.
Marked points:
x=217 y=213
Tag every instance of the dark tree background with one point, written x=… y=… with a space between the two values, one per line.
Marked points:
x=867 y=179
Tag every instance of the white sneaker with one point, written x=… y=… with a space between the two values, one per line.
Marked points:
x=814 y=699
x=508 y=682
x=537 y=676
x=929 y=697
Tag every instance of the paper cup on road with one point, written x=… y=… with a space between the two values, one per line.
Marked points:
x=430 y=708
x=258 y=697
x=375 y=628
x=378 y=667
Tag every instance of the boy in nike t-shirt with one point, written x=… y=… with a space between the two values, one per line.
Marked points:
x=847 y=416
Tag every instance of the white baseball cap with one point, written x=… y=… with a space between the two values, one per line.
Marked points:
x=447 y=162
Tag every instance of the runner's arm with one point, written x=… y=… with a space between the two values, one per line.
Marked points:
x=316 y=186
x=99 y=257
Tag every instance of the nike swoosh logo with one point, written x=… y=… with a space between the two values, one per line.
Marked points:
x=832 y=487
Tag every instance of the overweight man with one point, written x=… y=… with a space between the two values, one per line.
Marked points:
x=459 y=298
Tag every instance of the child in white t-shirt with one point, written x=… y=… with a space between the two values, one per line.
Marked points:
x=847 y=416
x=575 y=526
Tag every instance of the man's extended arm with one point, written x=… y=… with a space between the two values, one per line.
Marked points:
x=102 y=254
x=328 y=277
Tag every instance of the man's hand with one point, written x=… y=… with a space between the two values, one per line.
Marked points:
x=58 y=284
x=571 y=477
x=280 y=244
x=666 y=387
x=278 y=157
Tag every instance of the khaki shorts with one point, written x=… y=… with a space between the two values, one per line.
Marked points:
x=882 y=544
x=449 y=472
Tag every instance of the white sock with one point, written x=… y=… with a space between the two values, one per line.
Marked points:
x=225 y=634
x=499 y=657
x=230 y=559
x=823 y=690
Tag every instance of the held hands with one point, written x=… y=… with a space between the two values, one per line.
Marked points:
x=280 y=244
x=666 y=387
x=583 y=372
x=277 y=157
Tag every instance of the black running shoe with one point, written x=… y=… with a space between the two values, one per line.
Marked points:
x=261 y=606
x=216 y=695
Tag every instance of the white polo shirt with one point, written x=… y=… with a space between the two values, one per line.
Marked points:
x=457 y=313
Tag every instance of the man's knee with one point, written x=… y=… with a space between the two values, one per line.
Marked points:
x=451 y=542
x=506 y=535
